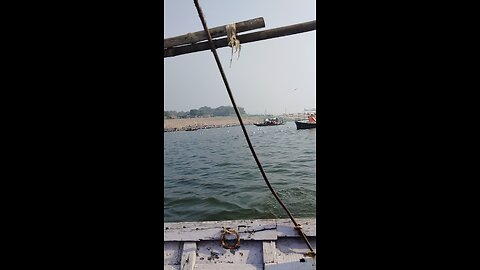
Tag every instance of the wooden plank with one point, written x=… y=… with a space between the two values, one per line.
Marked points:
x=196 y=231
x=211 y=252
x=283 y=248
x=264 y=229
x=192 y=234
x=291 y=249
x=219 y=31
x=225 y=266
x=269 y=251
x=306 y=264
x=188 y=256
x=171 y=253
x=285 y=228
x=246 y=38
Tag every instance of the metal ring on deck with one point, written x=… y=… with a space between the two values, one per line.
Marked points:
x=230 y=231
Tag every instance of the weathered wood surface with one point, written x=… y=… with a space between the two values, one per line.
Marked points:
x=269 y=251
x=189 y=256
x=214 y=32
x=263 y=229
x=292 y=249
x=230 y=267
x=212 y=253
x=245 y=38
x=284 y=253
x=285 y=228
x=306 y=264
x=172 y=253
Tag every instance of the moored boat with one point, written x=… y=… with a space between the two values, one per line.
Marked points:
x=191 y=128
x=305 y=124
x=270 y=122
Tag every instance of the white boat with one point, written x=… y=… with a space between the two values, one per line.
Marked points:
x=270 y=244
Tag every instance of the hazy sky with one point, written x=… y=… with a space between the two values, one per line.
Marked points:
x=265 y=75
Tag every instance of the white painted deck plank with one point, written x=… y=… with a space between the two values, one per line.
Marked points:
x=285 y=228
x=188 y=234
x=171 y=253
x=212 y=230
x=266 y=229
x=265 y=244
x=269 y=252
x=259 y=230
x=308 y=264
x=189 y=256
x=211 y=252
x=292 y=249
x=229 y=267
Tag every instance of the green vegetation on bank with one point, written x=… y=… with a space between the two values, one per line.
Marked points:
x=203 y=112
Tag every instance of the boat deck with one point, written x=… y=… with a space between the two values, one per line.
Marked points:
x=271 y=244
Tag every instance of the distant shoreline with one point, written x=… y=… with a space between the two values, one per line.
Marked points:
x=207 y=122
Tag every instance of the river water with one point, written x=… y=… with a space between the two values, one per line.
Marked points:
x=210 y=174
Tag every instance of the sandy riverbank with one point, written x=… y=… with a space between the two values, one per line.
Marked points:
x=209 y=122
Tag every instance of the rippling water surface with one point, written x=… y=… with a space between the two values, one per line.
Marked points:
x=211 y=174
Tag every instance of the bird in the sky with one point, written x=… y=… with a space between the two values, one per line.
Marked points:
x=294 y=89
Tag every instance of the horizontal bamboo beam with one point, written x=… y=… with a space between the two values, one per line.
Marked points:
x=246 y=38
x=219 y=31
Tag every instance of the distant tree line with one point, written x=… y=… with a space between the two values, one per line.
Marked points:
x=203 y=112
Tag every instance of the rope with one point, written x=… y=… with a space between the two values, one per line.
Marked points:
x=229 y=231
x=220 y=68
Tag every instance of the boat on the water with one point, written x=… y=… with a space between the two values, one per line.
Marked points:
x=191 y=128
x=271 y=244
x=305 y=124
x=270 y=122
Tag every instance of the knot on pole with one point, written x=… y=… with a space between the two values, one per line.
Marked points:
x=233 y=42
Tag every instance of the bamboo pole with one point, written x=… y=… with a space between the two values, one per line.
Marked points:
x=219 y=31
x=246 y=38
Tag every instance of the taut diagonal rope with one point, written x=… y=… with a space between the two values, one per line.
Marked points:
x=214 y=51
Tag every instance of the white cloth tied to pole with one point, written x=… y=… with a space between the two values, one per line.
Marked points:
x=233 y=41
